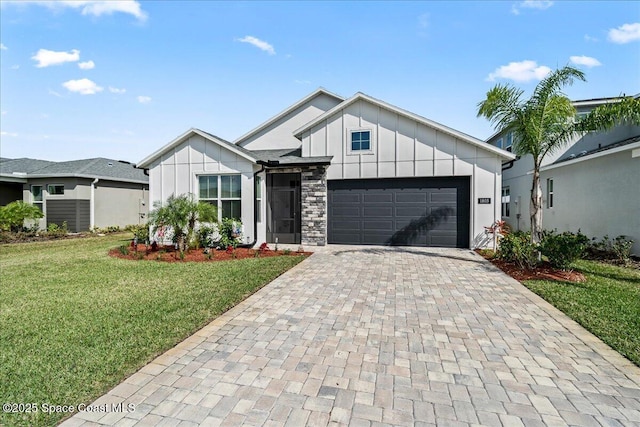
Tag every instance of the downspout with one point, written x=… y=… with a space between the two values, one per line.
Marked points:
x=255 y=217
x=92 y=202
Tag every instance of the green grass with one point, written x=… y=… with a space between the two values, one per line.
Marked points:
x=75 y=322
x=607 y=304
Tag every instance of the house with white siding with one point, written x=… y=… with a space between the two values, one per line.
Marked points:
x=334 y=170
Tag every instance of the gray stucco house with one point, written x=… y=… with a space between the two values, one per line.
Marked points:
x=591 y=185
x=85 y=193
x=334 y=170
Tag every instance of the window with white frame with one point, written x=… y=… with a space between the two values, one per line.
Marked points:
x=222 y=191
x=36 y=197
x=499 y=142
x=258 y=199
x=361 y=140
x=55 y=189
x=506 y=202
x=509 y=142
x=549 y=192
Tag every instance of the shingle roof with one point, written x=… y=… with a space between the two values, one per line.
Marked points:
x=115 y=170
x=22 y=166
x=288 y=156
x=622 y=143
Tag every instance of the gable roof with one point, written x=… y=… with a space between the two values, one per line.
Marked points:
x=144 y=163
x=430 y=123
x=100 y=167
x=288 y=110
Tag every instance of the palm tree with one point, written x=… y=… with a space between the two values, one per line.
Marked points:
x=546 y=122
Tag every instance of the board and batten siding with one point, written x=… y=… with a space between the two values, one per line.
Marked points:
x=279 y=134
x=402 y=147
x=176 y=172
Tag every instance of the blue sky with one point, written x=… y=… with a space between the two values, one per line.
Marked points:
x=84 y=79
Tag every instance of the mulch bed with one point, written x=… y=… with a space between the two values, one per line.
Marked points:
x=170 y=254
x=542 y=272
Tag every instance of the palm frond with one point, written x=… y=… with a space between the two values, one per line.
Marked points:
x=624 y=111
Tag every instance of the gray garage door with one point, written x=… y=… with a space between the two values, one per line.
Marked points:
x=399 y=211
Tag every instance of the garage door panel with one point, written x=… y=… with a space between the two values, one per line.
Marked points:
x=442 y=197
x=347 y=197
x=400 y=211
x=377 y=225
x=347 y=225
x=410 y=211
x=378 y=211
x=413 y=197
x=347 y=211
x=376 y=197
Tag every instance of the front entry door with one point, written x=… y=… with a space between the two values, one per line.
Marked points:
x=283 y=209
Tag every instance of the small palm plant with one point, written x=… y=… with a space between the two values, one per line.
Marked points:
x=181 y=214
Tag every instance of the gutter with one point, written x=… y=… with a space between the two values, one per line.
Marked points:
x=92 y=202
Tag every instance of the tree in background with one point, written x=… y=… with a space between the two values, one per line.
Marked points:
x=546 y=122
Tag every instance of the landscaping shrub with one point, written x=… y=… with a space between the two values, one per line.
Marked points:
x=564 y=248
x=141 y=232
x=618 y=249
x=517 y=248
x=208 y=235
x=13 y=215
x=55 y=230
x=230 y=234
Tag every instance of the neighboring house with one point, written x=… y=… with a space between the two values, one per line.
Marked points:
x=85 y=193
x=335 y=170
x=591 y=185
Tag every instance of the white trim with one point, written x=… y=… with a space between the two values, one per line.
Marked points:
x=79 y=175
x=633 y=146
x=435 y=125
x=372 y=136
x=283 y=113
x=179 y=140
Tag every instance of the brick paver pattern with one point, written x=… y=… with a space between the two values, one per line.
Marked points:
x=369 y=336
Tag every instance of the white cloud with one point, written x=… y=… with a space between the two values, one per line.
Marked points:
x=260 y=44
x=93 y=7
x=82 y=86
x=15 y=67
x=423 y=20
x=4 y=112
x=144 y=99
x=302 y=82
x=45 y=57
x=531 y=4
x=54 y=93
x=116 y=90
x=589 y=38
x=13 y=134
x=625 y=33
x=88 y=65
x=587 y=61
x=523 y=71
x=3 y=47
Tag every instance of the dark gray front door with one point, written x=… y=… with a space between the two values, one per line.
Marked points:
x=399 y=212
x=283 y=209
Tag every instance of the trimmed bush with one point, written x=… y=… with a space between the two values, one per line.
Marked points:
x=13 y=215
x=563 y=249
x=517 y=248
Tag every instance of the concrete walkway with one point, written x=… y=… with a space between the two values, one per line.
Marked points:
x=368 y=336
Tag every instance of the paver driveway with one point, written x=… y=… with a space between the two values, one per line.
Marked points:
x=372 y=336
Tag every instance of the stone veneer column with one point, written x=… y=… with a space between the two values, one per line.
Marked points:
x=314 y=205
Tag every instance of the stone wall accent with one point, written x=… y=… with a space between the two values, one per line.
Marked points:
x=314 y=205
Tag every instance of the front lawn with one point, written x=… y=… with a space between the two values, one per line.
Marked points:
x=75 y=322
x=607 y=303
